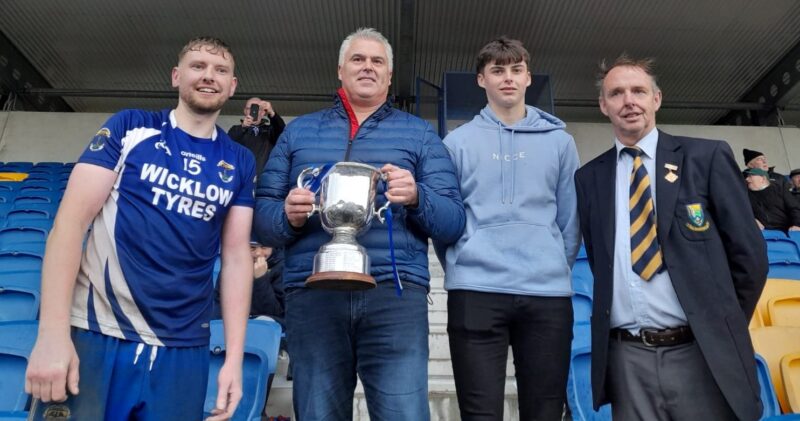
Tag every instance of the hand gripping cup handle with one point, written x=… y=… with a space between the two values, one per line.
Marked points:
x=311 y=178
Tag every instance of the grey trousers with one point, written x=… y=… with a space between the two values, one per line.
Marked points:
x=670 y=383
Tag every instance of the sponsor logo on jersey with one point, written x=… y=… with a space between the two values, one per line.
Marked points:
x=162 y=144
x=184 y=195
x=99 y=140
x=226 y=171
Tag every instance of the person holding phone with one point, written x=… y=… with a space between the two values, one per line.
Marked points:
x=259 y=131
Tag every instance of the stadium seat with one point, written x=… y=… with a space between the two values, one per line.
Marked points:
x=18 y=166
x=772 y=234
x=49 y=164
x=20 y=269
x=16 y=343
x=579 y=388
x=23 y=239
x=582 y=252
x=773 y=343
x=260 y=361
x=784 y=310
x=785 y=417
x=790 y=369
x=784 y=270
x=773 y=288
x=782 y=250
x=581 y=307
x=768 y=397
x=27 y=214
x=582 y=279
x=18 y=302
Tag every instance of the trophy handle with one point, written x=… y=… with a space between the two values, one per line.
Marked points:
x=302 y=182
x=381 y=211
x=306 y=178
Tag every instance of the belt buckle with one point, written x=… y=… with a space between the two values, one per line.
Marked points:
x=643 y=335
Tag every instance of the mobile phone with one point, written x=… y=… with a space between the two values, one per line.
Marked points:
x=254 y=112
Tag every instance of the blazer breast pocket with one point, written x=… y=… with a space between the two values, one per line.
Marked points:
x=694 y=221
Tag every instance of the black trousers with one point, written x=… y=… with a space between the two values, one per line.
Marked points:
x=481 y=326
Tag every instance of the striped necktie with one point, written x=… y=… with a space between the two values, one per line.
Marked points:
x=645 y=253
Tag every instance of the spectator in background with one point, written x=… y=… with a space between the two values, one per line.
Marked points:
x=756 y=159
x=267 y=285
x=502 y=292
x=794 y=177
x=259 y=131
x=773 y=207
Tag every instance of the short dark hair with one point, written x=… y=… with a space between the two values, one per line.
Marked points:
x=646 y=64
x=214 y=46
x=502 y=51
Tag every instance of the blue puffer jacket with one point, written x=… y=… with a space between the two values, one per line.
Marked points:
x=387 y=136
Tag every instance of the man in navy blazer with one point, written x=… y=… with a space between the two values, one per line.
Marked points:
x=671 y=342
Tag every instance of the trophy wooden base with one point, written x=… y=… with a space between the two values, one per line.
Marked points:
x=341 y=281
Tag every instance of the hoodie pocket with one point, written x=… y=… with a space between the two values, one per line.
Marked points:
x=511 y=255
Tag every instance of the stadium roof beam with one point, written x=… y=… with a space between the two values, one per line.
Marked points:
x=18 y=75
x=774 y=91
x=405 y=53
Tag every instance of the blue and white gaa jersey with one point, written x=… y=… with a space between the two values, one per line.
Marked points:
x=146 y=273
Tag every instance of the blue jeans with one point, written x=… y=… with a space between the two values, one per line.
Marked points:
x=334 y=335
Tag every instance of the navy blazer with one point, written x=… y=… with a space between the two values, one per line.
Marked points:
x=716 y=258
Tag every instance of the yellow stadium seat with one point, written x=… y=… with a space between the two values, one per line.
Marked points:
x=773 y=288
x=784 y=310
x=790 y=368
x=756 y=321
x=13 y=176
x=773 y=343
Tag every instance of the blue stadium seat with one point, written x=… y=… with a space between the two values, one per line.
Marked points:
x=49 y=164
x=773 y=234
x=581 y=307
x=16 y=343
x=785 y=417
x=217 y=269
x=20 y=269
x=18 y=303
x=782 y=250
x=784 y=270
x=17 y=166
x=28 y=214
x=582 y=279
x=582 y=252
x=768 y=396
x=260 y=361
x=23 y=239
x=579 y=387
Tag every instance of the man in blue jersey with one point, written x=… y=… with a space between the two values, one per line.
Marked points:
x=375 y=335
x=123 y=331
x=508 y=276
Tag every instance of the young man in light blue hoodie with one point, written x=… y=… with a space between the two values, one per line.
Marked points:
x=508 y=276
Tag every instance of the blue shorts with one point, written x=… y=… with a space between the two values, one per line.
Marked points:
x=125 y=380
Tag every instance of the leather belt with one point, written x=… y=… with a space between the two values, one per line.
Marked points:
x=654 y=337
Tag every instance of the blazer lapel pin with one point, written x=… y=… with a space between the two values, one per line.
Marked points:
x=671 y=176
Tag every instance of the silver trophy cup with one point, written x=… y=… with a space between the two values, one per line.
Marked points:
x=346 y=208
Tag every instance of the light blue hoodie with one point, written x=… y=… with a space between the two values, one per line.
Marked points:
x=522 y=232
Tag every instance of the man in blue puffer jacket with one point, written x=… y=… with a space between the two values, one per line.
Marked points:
x=334 y=335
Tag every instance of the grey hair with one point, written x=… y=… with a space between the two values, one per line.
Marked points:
x=371 y=34
x=646 y=65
